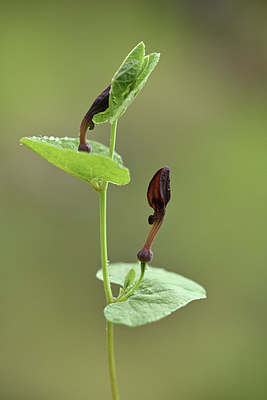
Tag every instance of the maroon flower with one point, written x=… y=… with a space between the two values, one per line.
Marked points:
x=158 y=196
x=100 y=104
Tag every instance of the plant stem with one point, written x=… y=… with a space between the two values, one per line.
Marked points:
x=104 y=258
x=112 y=138
x=111 y=361
x=103 y=239
x=103 y=220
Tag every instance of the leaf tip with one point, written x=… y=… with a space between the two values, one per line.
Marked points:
x=24 y=140
x=140 y=46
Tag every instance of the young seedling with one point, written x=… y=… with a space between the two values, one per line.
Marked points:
x=147 y=294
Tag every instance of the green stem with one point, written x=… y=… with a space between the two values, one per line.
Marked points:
x=111 y=361
x=112 y=139
x=125 y=297
x=104 y=258
x=103 y=239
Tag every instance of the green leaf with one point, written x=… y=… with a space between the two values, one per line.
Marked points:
x=149 y=63
x=102 y=117
x=128 y=71
x=160 y=293
x=129 y=279
x=92 y=168
x=128 y=81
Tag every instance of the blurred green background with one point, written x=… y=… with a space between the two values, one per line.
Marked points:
x=202 y=113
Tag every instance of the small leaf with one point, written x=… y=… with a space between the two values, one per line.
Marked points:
x=160 y=293
x=129 y=279
x=148 y=64
x=128 y=81
x=128 y=71
x=92 y=168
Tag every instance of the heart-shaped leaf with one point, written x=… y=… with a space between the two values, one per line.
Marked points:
x=160 y=293
x=92 y=168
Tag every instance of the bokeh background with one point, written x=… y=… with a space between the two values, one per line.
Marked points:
x=202 y=113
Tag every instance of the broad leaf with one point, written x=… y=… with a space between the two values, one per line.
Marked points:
x=92 y=168
x=160 y=293
x=128 y=81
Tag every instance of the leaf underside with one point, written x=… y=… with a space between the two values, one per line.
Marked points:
x=128 y=81
x=160 y=293
x=91 y=168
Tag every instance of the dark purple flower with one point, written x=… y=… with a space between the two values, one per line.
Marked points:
x=100 y=104
x=158 y=196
